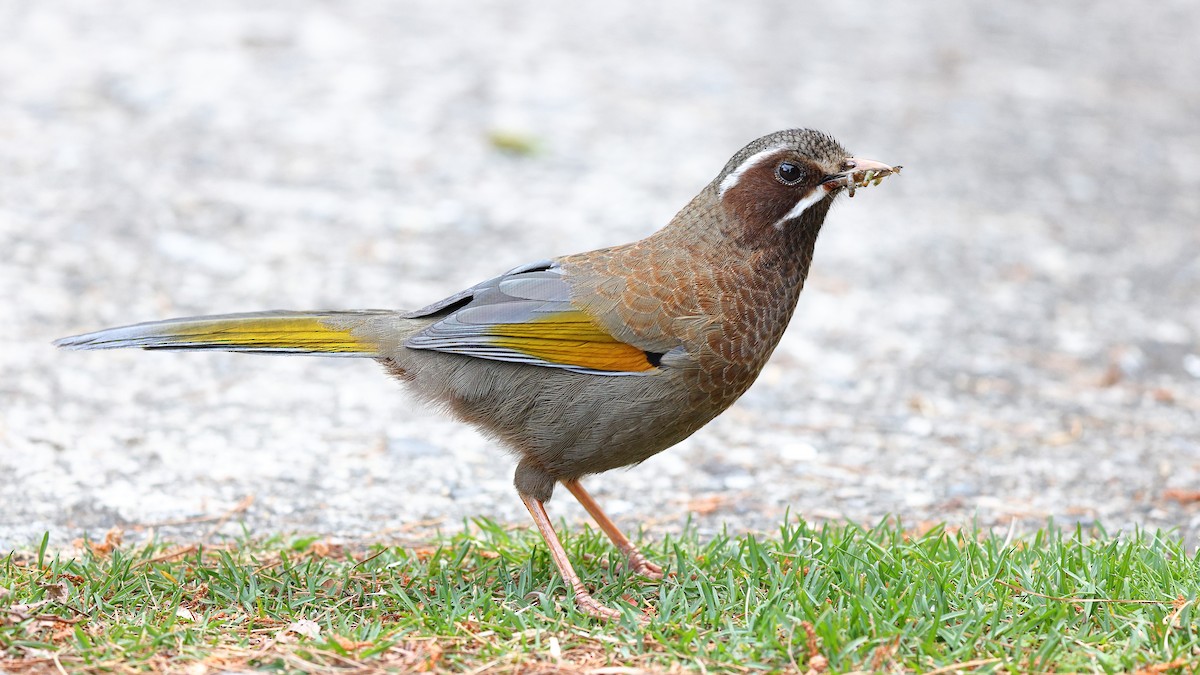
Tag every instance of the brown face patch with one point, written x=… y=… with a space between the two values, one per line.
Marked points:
x=759 y=199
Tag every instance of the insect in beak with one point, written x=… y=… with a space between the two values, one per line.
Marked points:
x=859 y=173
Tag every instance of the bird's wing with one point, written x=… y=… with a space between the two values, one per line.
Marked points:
x=526 y=316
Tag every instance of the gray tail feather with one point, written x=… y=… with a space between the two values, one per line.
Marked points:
x=341 y=333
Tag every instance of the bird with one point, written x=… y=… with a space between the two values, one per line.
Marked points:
x=588 y=362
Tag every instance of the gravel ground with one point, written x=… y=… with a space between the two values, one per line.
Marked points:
x=1006 y=333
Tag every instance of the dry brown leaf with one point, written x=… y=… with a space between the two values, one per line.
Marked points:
x=432 y=654
x=306 y=627
x=707 y=504
x=1182 y=496
x=351 y=645
x=817 y=663
x=424 y=553
x=1072 y=433
x=883 y=657
x=58 y=592
x=1111 y=376
x=112 y=540
x=1158 y=668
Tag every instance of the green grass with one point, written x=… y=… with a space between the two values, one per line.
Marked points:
x=835 y=598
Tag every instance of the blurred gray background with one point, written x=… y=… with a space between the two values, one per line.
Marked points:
x=1007 y=332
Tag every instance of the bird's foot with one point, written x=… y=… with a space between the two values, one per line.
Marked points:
x=639 y=565
x=594 y=608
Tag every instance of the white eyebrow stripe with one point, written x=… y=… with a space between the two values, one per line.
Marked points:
x=818 y=193
x=736 y=175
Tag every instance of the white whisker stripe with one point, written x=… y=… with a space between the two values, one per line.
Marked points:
x=818 y=193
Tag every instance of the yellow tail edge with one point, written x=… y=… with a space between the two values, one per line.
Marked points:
x=275 y=332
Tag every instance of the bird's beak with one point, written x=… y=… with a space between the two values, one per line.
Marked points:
x=858 y=173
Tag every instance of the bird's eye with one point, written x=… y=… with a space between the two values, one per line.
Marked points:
x=788 y=173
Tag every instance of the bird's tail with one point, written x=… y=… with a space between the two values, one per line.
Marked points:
x=321 y=333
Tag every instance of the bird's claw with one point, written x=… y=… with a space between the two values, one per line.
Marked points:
x=594 y=608
x=639 y=565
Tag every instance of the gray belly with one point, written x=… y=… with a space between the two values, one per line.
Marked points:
x=562 y=424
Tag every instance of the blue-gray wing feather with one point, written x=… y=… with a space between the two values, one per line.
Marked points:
x=518 y=296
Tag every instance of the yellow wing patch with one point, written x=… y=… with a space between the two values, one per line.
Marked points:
x=298 y=333
x=570 y=338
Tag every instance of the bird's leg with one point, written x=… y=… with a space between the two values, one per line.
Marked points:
x=583 y=600
x=637 y=562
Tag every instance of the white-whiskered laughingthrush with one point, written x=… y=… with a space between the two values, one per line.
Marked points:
x=597 y=360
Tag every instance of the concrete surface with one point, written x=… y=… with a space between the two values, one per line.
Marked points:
x=1007 y=332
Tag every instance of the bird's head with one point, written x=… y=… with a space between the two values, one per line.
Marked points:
x=788 y=179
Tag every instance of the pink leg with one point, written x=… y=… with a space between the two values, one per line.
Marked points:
x=583 y=600
x=637 y=562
